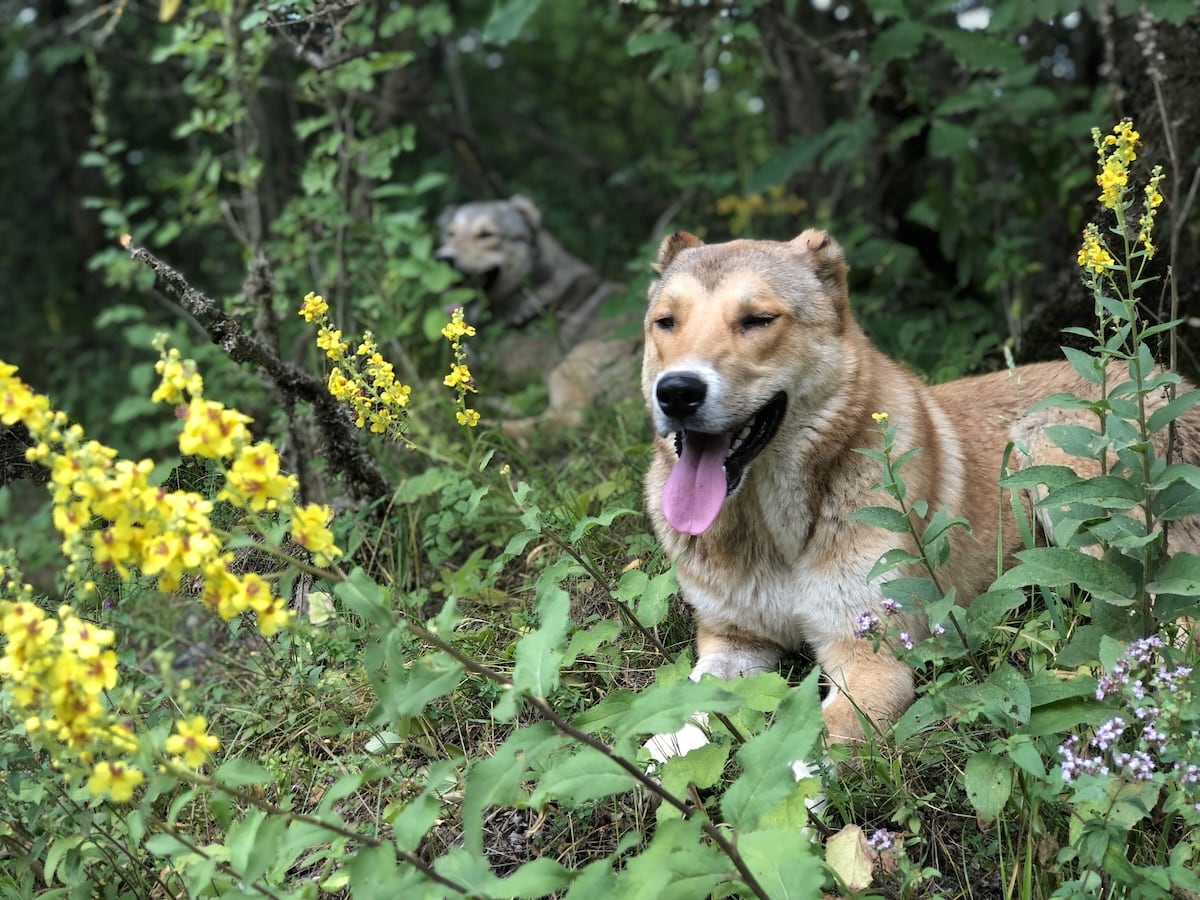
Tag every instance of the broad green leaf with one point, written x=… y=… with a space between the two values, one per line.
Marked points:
x=412 y=823
x=678 y=863
x=365 y=598
x=1179 y=575
x=1031 y=476
x=767 y=758
x=1025 y=755
x=539 y=655
x=1078 y=440
x=703 y=767
x=497 y=780
x=586 y=641
x=663 y=708
x=882 y=517
x=899 y=40
x=1107 y=491
x=1012 y=687
x=507 y=19
x=892 y=559
x=584 y=775
x=540 y=877
x=1059 y=566
x=1165 y=415
x=607 y=713
x=784 y=862
x=990 y=608
x=988 y=781
x=651 y=42
x=430 y=677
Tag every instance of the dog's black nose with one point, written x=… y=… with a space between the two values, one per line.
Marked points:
x=446 y=256
x=680 y=393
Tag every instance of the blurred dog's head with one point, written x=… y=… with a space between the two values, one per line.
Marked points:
x=493 y=243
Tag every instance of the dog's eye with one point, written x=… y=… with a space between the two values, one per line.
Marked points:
x=757 y=321
x=666 y=323
x=485 y=233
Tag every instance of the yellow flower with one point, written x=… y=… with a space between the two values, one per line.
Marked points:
x=467 y=417
x=459 y=375
x=313 y=307
x=210 y=430
x=254 y=482
x=191 y=742
x=1093 y=256
x=879 y=417
x=457 y=328
x=330 y=340
x=116 y=779
x=179 y=377
x=310 y=530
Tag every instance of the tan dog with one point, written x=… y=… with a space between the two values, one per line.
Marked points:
x=542 y=308
x=760 y=385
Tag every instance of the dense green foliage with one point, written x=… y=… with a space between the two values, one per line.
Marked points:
x=461 y=705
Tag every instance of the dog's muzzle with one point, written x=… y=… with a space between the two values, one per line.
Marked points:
x=680 y=394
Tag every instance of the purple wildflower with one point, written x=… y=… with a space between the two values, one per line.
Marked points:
x=881 y=840
x=865 y=624
x=906 y=641
x=1108 y=733
x=890 y=606
x=938 y=629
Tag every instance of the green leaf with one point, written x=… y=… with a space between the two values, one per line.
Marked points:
x=497 y=780
x=1021 y=750
x=1014 y=704
x=784 y=862
x=893 y=559
x=899 y=40
x=703 y=767
x=365 y=598
x=1085 y=364
x=1107 y=491
x=507 y=19
x=678 y=863
x=430 y=677
x=988 y=781
x=412 y=823
x=882 y=517
x=1179 y=575
x=662 y=708
x=651 y=41
x=1165 y=415
x=587 y=774
x=1031 y=476
x=1059 y=566
x=539 y=655
x=767 y=758
x=540 y=877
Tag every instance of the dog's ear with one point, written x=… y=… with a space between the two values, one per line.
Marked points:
x=671 y=247
x=824 y=254
x=528 y=210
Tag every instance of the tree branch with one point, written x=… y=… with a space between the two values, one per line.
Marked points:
x=340 y=445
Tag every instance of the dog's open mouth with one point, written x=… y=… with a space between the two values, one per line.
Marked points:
x=710 y=467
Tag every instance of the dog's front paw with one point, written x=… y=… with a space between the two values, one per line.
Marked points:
x=729 y=665
x=690 y=737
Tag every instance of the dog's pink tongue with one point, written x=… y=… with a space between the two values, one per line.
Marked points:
x=695 y=488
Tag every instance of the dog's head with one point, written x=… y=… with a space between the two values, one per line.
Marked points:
x=492 y=243
x=740 y=337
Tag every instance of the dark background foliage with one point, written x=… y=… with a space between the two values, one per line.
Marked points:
x=323 y=137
